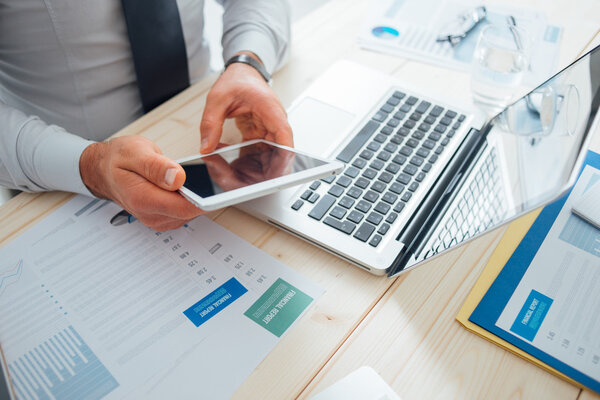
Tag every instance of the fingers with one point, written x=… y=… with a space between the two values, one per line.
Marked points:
x=143 y=157
x=211 y=125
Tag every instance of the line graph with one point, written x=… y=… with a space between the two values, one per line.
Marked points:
x=10 y=276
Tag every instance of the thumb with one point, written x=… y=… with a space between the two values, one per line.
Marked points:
x=156 y=168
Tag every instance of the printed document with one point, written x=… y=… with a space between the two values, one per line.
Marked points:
x=93 y=310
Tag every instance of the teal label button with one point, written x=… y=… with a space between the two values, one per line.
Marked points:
x=278 y=307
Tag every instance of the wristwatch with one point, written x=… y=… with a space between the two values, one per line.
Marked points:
x=246 y=59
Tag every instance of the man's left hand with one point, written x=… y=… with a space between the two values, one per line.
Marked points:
x=242 y=93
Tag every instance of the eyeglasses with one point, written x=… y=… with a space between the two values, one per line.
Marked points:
x=458 y=29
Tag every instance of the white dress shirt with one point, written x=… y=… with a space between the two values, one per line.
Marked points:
x=67 y=77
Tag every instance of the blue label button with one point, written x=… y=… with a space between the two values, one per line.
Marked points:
x=215 y=302
x=532 y=315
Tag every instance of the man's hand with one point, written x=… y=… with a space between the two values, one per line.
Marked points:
x=132 y=172
x=242 y=93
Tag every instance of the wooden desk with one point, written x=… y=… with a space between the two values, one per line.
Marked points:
x=402 y=327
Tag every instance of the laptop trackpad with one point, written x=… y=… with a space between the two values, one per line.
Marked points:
x=318 y=127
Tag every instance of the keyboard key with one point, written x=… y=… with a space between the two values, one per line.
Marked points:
x=403 y=178
x=456 y=125
x=427 y=167
x=359 y=163
x=347 y=227
x=406 y=196
x=378 y=186
x=398 y=94
x=373 y=146
x=433 y=158
x=379 y=117
x=409 y=124
x=393 y=122
x=430 y=119
x=440 y=128
x=424 y=127
x=436 y=111
x=383 y=155
x=439 y=150
x=390 y=148
x=400 y=115
x=355 y=216
x=377 y=164
x=358 y=141
x=397 y=188
x=392 y=217
x=336 y=190
x=364 y=232
x=386 y=177
x=399 y=159
x=423 y=106
x=352 y=172
x=451 y=133
x=422 y=152
x=386 y=130
x=445 y=141
x=403 y=132
x=415 y=116
x=329 y=179
x=346 y=202
x=370 y=173
x=315 y=185
x=412 y=100
x=321 y=208
x=420 y=176
x=383 y=229
x=406 y=151
x=416 y=161
x=362 y=182
x=375 y=218
x=363 y=206
x=371 y=196
x=389 y=198
x=418 y=135
x=445 y=121
x=392 y=167
x=366 y=154
x=462 y=117
x=297 y=204
x=354 y=192
x=382 y=208
x=396 y=139
x=380 y=138
x=410 y=169
x=375 y=241
x=306 y=194
x=313 y=197
x=413 y=186
x=338 y=212
x=450 y=114
x=387 y=108
x=344 y=181
x=405 y=108
x=429 y=144
x=399 y=207
x=393 y=101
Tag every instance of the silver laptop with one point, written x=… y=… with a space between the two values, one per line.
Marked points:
x=422 y=174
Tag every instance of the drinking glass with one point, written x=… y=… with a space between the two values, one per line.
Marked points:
x=500 y=60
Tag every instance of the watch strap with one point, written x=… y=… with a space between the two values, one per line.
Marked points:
x=246 y=59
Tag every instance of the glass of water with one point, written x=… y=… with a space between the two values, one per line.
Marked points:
x=500 y=60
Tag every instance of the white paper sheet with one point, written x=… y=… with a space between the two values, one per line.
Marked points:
x=91 y=309
x=415 y=25
x=362 y=384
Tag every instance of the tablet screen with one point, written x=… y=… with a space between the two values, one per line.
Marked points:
x=244 y=166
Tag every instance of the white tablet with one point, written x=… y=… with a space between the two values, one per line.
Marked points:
x=242 y=172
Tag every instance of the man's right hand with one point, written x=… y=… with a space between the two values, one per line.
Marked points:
x=132 y=172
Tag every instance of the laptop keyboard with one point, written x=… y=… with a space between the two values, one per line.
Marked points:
x=385 y=163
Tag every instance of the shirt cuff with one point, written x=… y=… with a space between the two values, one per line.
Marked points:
x=255 y=42
x=58 y=159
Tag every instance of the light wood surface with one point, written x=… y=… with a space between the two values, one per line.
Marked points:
x=403 y=327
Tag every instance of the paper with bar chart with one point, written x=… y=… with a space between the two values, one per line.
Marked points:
x=97 y=310
x=556 y=306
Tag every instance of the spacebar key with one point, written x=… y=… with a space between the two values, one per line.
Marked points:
x=322 y=207
x=355 y=144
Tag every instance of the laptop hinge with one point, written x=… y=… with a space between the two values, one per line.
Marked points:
x=419 y=227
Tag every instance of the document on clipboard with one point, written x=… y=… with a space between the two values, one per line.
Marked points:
x=545 y=300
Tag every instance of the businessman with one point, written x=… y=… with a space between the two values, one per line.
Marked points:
x=73 y=73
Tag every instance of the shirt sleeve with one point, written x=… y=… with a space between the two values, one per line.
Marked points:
x=36 y=157
x=259 y=26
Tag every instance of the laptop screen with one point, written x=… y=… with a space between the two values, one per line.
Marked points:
x=531 y=155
